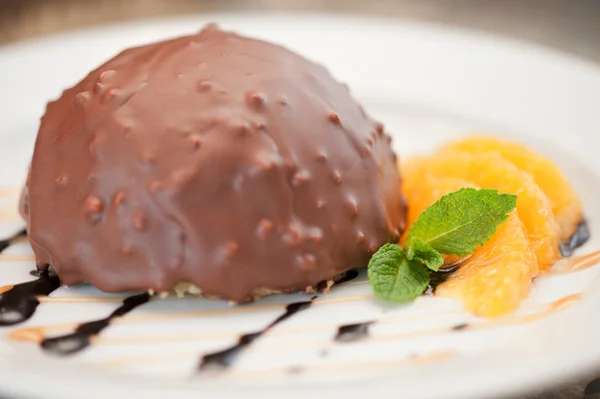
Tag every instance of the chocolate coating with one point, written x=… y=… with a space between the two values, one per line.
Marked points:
x=24 y=203
x=227 y=162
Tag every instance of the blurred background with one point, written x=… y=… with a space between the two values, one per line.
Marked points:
x=571 y=26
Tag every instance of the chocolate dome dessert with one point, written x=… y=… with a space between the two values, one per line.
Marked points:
x=224 y=162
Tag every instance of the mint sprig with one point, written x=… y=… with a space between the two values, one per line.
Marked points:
x=422 y=252
x=457 y=223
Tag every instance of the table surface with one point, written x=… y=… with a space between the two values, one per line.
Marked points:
x=569 y=25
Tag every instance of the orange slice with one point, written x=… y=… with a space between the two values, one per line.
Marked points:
x=490 y=170
x=411 y=170
x=498 y=275
x=429 y=191
x=566 y=206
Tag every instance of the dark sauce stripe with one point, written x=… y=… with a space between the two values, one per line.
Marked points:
x=460 y=327
x=353 y=332
x=347 y=276
x=579 y=237
x=7 y=242
x=81 y=338
x=225 y=358
x=340 y=279
x=437 y=278
x=20 y=302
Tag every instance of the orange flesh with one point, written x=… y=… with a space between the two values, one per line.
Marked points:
x=490 y=170
x=497 y=276
x=494 y=280
x=566 y=206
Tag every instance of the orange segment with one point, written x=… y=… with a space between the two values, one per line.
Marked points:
x=490 y=170
x=412 y=170
x=566 y=206
x=494 y=279
x=498 y=275
x=431 y=189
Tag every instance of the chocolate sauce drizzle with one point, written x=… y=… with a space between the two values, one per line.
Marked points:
x=437 y=278
x=80 y=339
x=347 y=276
x=460 y=327
x=225 y=358
x=353 y=332
x=20 y=302
x=36 y=272
x=342 y=278
x=579 y=237
x=7 y=242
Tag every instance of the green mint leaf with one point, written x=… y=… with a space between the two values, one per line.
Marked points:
x=422 y=252
x=461 y=221
x=395 y=278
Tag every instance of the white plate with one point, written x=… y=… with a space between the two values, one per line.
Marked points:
x=428 y=84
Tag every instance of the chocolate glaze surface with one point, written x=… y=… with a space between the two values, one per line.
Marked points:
x=24 y=202
x=216 y=159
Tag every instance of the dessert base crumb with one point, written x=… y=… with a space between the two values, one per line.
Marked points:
x=187 y=290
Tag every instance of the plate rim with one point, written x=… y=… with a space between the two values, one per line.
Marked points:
x=7 y=381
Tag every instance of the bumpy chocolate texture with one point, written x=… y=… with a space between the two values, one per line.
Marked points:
x=214 y=159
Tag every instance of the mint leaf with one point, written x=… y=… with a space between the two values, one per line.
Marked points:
x=395 y=278
x=461 y=221
x=422 y=252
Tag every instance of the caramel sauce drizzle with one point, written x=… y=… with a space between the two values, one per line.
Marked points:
x=552 y=308
x=280 y=331
x=83 y=299
x=564 y=266
x=354 y=367
x=569 y=265
x=17 y=257
x=9 y=216
x=348 y=367
x=38 y=334
x=10 y=192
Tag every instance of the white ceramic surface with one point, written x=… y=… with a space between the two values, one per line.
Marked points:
x=428 y=84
